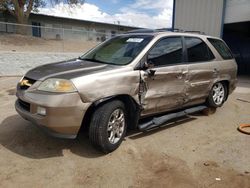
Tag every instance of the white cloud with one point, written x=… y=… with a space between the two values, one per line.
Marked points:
x=162 y=20
x=85 y=12
x=131 y=15
x=149 y=4
x=166 y=14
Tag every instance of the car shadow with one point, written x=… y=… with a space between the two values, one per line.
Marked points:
x=26 y=139
x=175 y=122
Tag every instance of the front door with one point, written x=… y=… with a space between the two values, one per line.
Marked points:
x=165 y=88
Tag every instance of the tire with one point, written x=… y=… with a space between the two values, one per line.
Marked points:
x=217 y=95
x=108 y=126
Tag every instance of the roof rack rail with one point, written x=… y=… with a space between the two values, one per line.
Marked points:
x=163 y=30
x=199 y=32
x=141 y=31
x=176 y=30
x=186 y=31
x=149 y=30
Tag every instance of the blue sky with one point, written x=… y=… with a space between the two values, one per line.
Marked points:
x=110 y=6
x=140 y=13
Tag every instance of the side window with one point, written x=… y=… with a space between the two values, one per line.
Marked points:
x=166 y=52
x=221 y=47
x=197 y=50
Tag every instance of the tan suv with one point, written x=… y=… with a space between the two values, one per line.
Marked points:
x=127 y=78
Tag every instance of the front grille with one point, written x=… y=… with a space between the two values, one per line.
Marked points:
x=26 y=83
x=24 y=105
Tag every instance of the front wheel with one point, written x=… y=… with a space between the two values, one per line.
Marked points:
x=108 y=126
x=217 y=95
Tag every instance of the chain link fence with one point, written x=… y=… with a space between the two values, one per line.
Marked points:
x=27 y=46
x=55 y=32
x=50 y=38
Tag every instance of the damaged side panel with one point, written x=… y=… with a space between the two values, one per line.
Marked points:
x=123 y=81
x=200 y=79
x=163 y=91
x=199 y=82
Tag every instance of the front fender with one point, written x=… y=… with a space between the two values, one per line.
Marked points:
x=100 y=86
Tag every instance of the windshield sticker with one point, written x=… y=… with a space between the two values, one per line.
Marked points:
x=137 y=40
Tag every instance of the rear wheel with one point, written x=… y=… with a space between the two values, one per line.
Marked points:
x=217 y=95
x=108 y=126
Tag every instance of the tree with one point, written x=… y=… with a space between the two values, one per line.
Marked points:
x=21 y=9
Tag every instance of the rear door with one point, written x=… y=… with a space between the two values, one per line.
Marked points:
x=202 y=70
x=165 y=90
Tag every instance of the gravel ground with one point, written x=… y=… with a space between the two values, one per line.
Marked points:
x=18 y=63
x=21 y=43
x=200 y=151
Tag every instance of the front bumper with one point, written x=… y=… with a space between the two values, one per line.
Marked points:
x=64 y=112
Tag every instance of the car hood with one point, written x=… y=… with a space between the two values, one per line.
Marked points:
x=68 y=69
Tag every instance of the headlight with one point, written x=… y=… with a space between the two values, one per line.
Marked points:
x=57 y=85
x=21 y=79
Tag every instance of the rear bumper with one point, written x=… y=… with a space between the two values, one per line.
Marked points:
x=64 y=112
x=232 y=86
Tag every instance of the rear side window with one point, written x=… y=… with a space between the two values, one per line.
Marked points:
x=221 y=47
x=197 y=50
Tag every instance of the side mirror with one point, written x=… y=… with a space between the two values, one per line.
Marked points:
x=148 y=67
x=151 y=72
x=148 y=64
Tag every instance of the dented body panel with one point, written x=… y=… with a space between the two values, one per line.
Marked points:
x=122 y=81
x=154 y=89
x=200 y=78
x=165 y=90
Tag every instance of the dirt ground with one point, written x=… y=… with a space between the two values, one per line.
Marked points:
x=20 y=43
x=200 y=151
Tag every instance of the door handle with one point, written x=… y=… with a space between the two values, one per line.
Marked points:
x=181 y=74
x=215 y=71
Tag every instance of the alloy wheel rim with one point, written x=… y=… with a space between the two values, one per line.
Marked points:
x=218 y=93
x=116 y=126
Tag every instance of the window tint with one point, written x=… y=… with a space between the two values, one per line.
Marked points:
x=221 y=48
x=167 y=51
x=197 y=50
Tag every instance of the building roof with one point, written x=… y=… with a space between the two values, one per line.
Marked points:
x=80 y=20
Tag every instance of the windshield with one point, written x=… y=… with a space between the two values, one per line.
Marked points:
x=120 y=50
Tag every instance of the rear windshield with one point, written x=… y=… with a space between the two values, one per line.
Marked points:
x=120 y=50
x=222 y=48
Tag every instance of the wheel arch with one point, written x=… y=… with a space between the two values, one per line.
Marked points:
x=226 y=82
x=130 y=103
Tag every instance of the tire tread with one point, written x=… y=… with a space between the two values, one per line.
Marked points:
x=97 y=129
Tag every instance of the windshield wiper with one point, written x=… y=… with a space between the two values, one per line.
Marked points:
x=93 y=59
